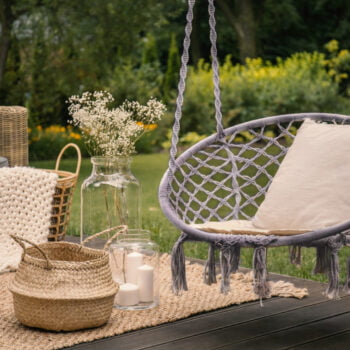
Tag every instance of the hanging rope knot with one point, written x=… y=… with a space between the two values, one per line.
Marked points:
x=334 y=244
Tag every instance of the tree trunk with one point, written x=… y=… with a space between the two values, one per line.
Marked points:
x=6 y=19
x=241 y=18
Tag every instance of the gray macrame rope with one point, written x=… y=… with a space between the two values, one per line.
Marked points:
x=334 y=244
x=215 y=66
x=178 y=268
x=183 y=75
x=347 y=282
x=181 y=86
x=209 y=272
x=261 y=285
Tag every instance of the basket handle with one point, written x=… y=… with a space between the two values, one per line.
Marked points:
x=120 y=230
x=20 y=241
x=58 y=161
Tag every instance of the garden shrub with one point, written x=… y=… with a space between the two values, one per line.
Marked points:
x=338 y=66
x=46 y=143
x=150 y=51
x=184 y=142
x=136 y=83
x=300 y=83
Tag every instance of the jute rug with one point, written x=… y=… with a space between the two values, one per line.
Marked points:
x=198 y=298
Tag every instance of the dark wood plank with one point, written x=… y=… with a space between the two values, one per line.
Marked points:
x=203 y=323
x=338 y=341
x=262 y=327
x=294 y=337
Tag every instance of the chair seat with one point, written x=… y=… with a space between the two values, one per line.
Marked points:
x=243 y=227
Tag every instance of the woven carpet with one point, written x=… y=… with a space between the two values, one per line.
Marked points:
x=198 y=298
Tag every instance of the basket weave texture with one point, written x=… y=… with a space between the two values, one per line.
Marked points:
x=63 y=286
x=62 y=198
x=14 y=135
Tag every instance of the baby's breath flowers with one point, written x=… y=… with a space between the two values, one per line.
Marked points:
x=112 y=131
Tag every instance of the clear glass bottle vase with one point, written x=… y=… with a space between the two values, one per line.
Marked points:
x=110 y=196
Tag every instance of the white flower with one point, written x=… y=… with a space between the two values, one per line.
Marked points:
x=112 y=132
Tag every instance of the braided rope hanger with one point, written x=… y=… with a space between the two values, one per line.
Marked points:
x=183 y=75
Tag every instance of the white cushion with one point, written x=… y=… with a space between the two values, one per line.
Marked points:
x=311 y=188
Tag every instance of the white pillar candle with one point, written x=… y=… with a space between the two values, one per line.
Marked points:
x=128 y=295
x=145 y=283
x=133 y=261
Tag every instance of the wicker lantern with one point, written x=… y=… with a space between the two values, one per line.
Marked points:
x=14 y=135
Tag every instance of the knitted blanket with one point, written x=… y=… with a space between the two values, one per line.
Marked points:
x=25 y=210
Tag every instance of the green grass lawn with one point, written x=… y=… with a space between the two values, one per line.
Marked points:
x=149 y=169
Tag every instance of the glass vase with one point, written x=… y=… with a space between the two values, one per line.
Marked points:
x=134 y=261
x=110 y=196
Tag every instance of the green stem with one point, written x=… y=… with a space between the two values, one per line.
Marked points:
x=108 y=213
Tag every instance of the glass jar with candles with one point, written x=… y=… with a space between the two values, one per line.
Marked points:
x=134 y=261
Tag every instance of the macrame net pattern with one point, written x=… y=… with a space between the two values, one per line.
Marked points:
x=228 y=179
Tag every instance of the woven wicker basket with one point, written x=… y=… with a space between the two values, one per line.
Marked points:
x=63 y=196
x=14 y=135
x=63 y=286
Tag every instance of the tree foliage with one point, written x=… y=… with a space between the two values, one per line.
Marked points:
x=172 y=73
x=66 y=47
x=51 y=49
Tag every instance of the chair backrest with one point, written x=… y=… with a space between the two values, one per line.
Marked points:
x=227 y=178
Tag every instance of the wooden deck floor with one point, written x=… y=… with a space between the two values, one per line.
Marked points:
x=282 y=323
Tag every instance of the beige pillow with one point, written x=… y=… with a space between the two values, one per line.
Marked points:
x=311 y=189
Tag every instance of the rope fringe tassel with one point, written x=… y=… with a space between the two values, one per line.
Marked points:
x=209 y=268
x=347 y=282
x=295 y=255
x=178 y=267
x=322 y=259
x=261 y=286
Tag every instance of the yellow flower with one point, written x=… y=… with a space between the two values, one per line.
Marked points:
x=150 y=127
x=147 y=127
x=39 y=128
x=75 y=136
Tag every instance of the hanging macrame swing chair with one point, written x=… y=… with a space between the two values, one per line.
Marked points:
x=213 y=192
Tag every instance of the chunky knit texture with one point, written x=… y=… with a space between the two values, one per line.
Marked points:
x=25 y=210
